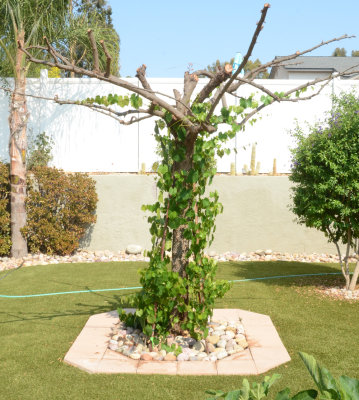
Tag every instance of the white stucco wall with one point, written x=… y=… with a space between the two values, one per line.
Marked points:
x=91 y=142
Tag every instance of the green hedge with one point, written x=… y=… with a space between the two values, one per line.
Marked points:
x=60 y=207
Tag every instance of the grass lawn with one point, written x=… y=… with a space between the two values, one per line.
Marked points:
x=36 y=333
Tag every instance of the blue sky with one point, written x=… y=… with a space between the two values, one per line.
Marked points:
x=167 y=35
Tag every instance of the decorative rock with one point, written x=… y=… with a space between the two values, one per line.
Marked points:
x=210 y=348
x=135 y=356
x=230 y=344
x=222 y=354
x=162 y=353
x=221 y=343
x=133 y=249
x=199 y=346
x=213 y=339
x=189 y=341
x=139 y=348
x=183 y=357
x=88 y=256
x=219 y=332
x=170 y=357
x=243 y=343
x=240 y=329
x=218 y=349
x=201 y=356
x=146 y=357
x=260 y=252
x=230 y=334
x=213 y=357
x=113 y=346
x=212 y=253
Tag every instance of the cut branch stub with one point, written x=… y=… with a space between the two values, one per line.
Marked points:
x=228 y=68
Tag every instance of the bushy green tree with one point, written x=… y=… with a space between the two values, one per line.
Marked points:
x=325 y=170
x=339 y=52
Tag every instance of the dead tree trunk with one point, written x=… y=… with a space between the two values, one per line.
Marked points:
x=17 y=146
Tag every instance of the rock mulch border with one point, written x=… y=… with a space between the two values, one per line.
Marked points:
x=88 y=256
x=90 y=350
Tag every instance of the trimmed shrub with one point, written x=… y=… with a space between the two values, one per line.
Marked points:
x=326 y=173
x=59 y=209
x=5 y=240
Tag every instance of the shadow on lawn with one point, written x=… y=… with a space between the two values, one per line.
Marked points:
x=78 y=309
x=250 y=270
x=106 y=301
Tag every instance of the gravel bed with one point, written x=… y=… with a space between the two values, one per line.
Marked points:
x=224 y=339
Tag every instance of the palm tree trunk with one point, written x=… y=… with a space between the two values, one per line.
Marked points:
x=18 y=145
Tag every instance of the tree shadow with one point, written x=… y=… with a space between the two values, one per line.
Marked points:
x=283 y=273
x=109 y=303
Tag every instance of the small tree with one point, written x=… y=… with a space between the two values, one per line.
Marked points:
x=326 y=172
x=339 y=52
x=179 y=292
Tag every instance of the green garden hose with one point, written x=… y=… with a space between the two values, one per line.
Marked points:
x=139 y=287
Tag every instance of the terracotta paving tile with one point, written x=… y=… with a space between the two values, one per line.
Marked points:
x=266 y=359
x=101 y=320
x=85 y=364
x=91 y=343
x=196 y=368
x=157 y=367
x=113 y=355
x=117 y=367
x=243 y=355
x=236 y=367
x=229 y=314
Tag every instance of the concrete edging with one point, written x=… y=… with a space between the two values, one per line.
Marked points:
x=90 y=350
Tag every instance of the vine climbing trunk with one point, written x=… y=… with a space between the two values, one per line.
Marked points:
x=180 y=244
x=17 y=146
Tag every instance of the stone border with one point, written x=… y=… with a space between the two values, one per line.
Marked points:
x=90 y=353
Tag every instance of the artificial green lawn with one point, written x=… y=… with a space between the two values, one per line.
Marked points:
x=36 y=333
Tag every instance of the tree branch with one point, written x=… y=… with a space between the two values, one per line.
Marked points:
x=97 y=107
x=204 y=72
x=96 y=67
x=215 y=81
x=244 y=62
x=190 y=83
x=279 y=61
x=147 y=94
x=108 y=58
x=141 y=75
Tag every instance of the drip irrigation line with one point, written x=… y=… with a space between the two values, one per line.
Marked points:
x=140 y=287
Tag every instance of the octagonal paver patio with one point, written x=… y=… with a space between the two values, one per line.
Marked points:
x=89 y=352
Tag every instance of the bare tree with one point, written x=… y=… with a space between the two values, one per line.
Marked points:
x=181 y=106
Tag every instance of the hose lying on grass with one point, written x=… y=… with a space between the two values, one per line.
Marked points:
x=139 y=287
